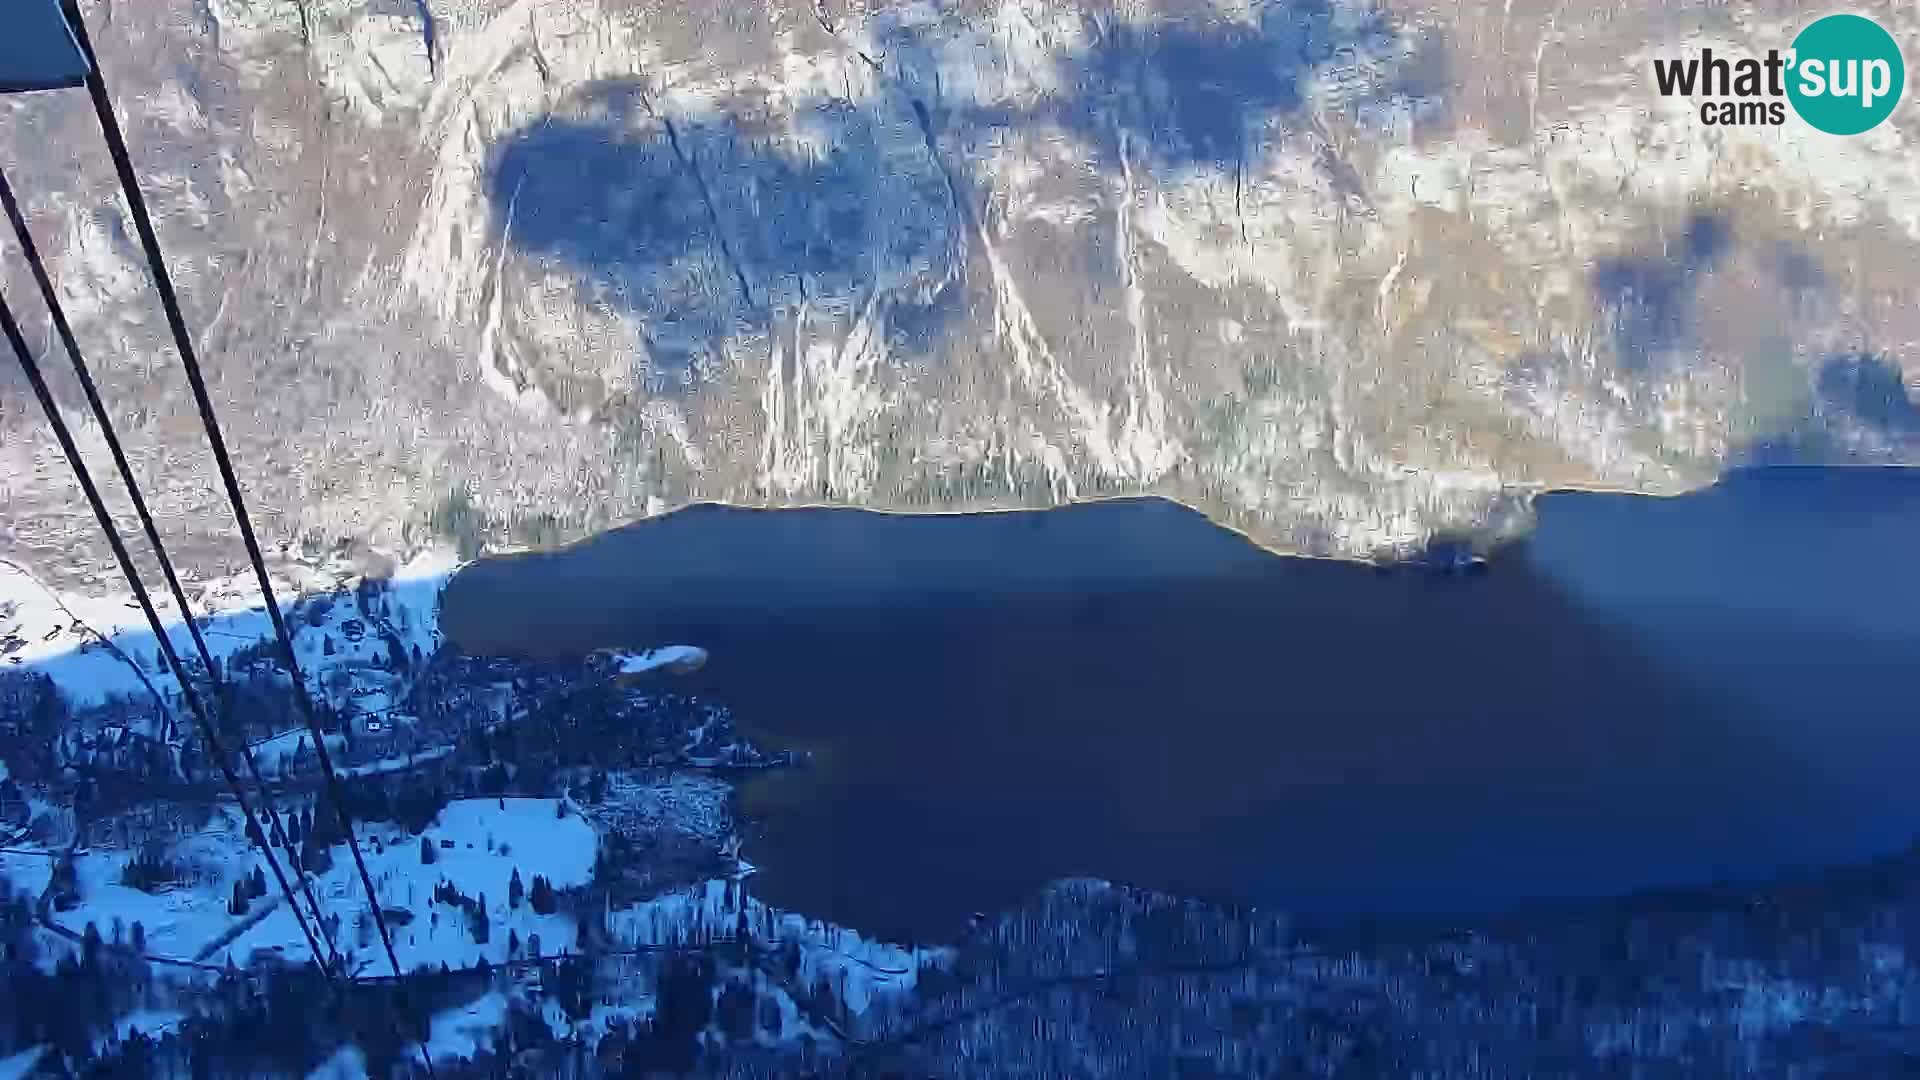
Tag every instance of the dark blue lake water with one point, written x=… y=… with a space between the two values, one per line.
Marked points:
x=1648 y=692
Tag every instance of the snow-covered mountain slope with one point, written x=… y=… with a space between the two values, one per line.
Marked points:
x=1336 y=272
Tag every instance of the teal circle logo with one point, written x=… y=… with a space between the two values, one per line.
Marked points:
x=1846 y=74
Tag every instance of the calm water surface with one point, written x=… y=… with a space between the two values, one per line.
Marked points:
x=1648 y=692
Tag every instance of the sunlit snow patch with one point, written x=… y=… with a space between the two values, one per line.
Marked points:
x=460 y=1033
x=673 y=659
x=346 y=630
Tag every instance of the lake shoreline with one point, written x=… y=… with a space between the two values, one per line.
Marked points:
x=1641 y=693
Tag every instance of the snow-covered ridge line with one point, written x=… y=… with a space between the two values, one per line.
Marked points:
x=345 y=627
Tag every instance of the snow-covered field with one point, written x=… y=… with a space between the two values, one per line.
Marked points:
x=463 y=1032
x=489 y=840
x=396 y=764
x=60 y=633
x=277 y=754
x=26 y=872
x=177 y=922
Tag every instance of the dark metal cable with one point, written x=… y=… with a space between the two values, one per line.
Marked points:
x=183 y=341
x=65 y=332
x=80 y=472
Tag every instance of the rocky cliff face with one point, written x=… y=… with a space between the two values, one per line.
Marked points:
x=1338 y=273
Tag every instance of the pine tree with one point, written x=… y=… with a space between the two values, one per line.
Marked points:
x=90 y=947
x=316 y=857
x=516 y=892
x=541 y=899
x=513 y=942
